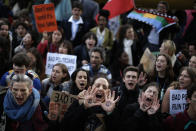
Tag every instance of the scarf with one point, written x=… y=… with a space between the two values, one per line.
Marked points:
x=127 y=48
x=23 y=112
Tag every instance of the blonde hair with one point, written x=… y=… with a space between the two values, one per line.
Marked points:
x=170 y=45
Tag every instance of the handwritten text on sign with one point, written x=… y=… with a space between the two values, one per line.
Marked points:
x=177 y=101
x=45 y=17
x=68 y=60
x=63 y=100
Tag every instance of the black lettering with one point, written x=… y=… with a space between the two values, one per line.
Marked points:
x=51 y=58
x=37 y=10
x=65 y=99
x=176 y=107
x=184 y=106
x=42 y=17
x=176 y=97
x=50 y=8
x=40 y=25
x=184 y=96
x=56 y=98
x=49 y=16
x=50 y=23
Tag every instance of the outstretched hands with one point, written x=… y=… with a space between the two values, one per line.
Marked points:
x=149 y=108
x=109 y=104
x=142 y=79
x=155 y=106
x=89 y=97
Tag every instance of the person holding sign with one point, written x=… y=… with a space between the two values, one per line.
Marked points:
x=186 y=78
x=50 y=43
x=59 y=77
x=80 y=81
x=21 y=106
x=184 y=121
x=92 y=108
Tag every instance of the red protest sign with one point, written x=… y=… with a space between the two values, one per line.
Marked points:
x=45 y=17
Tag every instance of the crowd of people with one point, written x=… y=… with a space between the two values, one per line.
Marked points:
x=112 y=89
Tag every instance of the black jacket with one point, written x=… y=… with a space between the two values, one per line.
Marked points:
x=82 y=54
x=134 y=119
x=77 y=118
x=126 y=96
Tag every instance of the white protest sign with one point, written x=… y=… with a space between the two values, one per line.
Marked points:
x=68 y=60
x=177 y=101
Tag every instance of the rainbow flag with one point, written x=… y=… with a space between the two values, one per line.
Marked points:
x=158 y=21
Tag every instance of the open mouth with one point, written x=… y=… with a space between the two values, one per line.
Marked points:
x=130 y=84
x=99 y=96
x=158 y=66
x=19 y=100
x=81 y=84
x=149 y=101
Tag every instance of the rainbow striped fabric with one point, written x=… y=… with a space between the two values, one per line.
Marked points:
x=158 y=21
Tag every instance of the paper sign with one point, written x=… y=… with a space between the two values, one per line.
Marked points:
x=63 y=101
x=45 y=17
x=177 y=101
x=54 y=58
x=148 y=61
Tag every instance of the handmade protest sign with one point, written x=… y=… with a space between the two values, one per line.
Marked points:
x=59 y=103
x=45 y=17
x=148 y=60
x=68 y=60
x=177 y=101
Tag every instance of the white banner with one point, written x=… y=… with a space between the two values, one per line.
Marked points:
x=68 y=60
x=177 y=101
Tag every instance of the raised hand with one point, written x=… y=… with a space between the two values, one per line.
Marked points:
x=142 y=79
x=154 y=107
x=141 y=101
x=89 y=97
x=109 y=104
x=53 y=111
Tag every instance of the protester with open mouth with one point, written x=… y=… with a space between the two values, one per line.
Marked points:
x=139 y=116
x=184 y=121
x=21 y=108
x=79 y=81
x=128 y=90
x=90 y=111
x=186 y=78
x=82 y=51
x=163 y=73
x=59 y=77
x=96 y=67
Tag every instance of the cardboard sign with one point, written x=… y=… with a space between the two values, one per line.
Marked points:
x=60 y=102
x=177 y=101
x=148 y=61
x=68 y=60
x=45 y=17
